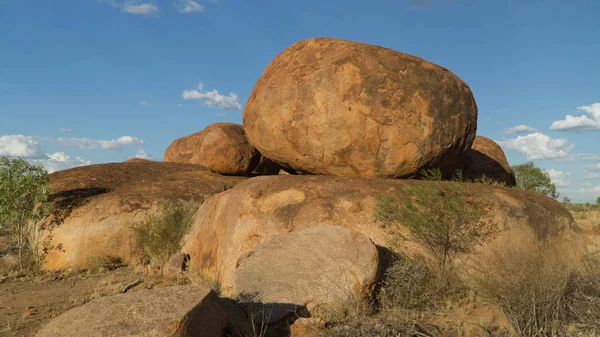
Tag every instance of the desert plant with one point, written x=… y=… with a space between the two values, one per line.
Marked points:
x=528 y=280
x=433 y=174
x=583 y=297
x=409 y=283
x=533 y=179
x=443 y=216
x=24 y=190
x=159 y=236
x=258 y=316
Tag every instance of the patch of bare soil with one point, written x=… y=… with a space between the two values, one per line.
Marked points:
x=27 y=303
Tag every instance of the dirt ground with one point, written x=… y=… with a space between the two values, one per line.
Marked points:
x=27 y=303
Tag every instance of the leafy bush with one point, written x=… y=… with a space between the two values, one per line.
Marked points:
x=159 y=236
x=533 y=179
x=24 y=190
x=440 y=215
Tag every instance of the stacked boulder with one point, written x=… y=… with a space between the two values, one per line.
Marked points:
x=344 y=114
x=347 y=122
x=220 y=147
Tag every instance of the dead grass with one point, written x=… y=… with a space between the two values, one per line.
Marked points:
x=540 y=286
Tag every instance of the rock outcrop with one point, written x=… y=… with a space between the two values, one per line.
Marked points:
x=486 y=158
x=185 y=311
x=220 y=147
x=316 y=268
x=334 y=107
x=95 y=206
x=232 y=224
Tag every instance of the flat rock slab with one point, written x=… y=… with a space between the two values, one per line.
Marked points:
x=184 y=311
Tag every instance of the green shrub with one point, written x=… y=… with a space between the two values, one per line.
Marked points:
x=159 y=236
x=533 y=179
x=24 y=190
x=442 y=216
x=434 y=174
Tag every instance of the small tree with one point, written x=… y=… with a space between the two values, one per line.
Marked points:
x=445 y=217
x=598 y=201
x=24 y=190
x=533 y=179
x=566 y=201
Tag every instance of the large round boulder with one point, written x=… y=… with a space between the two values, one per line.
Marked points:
x=220 y=147
x=486 y=158
x=334 y=107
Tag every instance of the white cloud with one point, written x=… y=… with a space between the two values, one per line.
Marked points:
x=59 y=161
x=213 y=98
x=135 y=7
x=588 y=157
x=66 y=130
x=95 y=144
x=591 y=189
x=591 y=174
x=558 y=178
x=593 y=167
x=20 y=146
x=188 y=6
x=140 y=8
x=180 y=105
x=141 y=154
x=144 y=103
x=581 y=123
x=538 y=146
x=519 y=129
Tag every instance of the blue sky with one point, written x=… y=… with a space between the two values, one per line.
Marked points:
x=93 y=81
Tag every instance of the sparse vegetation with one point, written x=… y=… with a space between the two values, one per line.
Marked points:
x=24 y=190
x=443 y=216
x=539 y=286
x=533 y=179
x=159 y=236
x=411 y=284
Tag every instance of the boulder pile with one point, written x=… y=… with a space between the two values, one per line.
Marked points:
x=330 y=128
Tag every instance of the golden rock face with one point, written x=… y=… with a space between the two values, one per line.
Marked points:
x=334 y=107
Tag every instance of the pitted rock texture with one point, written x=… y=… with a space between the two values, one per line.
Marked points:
x=95 y=206
x=184 y=311
x=232 y=224
x=486 y=158
x=334 y=107
x=220 y=147
x=314 y=268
